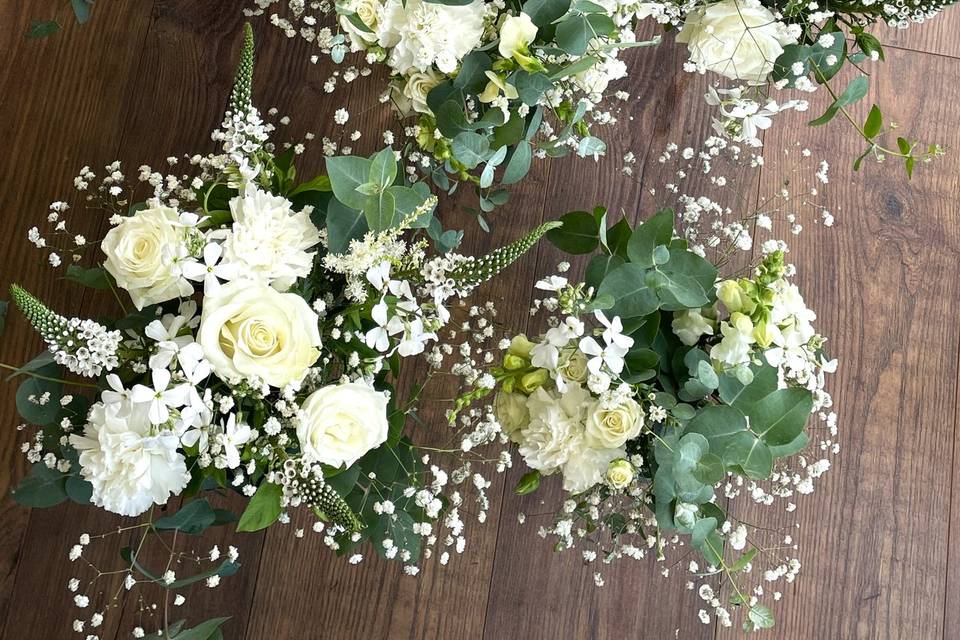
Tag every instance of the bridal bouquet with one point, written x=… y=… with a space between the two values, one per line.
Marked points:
x=270 y=317
x=661 y=391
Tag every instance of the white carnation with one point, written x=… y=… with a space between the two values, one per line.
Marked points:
x=555 y=430
x=130 y=463
x=420 y=34
x=268 y=240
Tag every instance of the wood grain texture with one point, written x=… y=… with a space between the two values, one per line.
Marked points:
x=873 y=538
x=146 y=80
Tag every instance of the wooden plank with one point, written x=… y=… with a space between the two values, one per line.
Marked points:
x=873 y=539
x=49 y=110
x=937 y=36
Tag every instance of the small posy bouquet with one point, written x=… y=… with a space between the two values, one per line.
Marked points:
x=660 y=391
x=270 y=320
x=483 y=87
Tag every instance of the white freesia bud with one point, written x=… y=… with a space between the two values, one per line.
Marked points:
x=338 y=424
x=516 y=33
x=739 y=39
x=251 y=330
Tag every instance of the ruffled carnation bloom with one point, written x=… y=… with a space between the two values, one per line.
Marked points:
x=268 y=240
x=131 y=463
x=555 y=429
x=739 y=39
x=420 y=34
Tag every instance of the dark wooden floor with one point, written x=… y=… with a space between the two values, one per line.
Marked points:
x=146 y=79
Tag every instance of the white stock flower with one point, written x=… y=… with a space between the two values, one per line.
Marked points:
x=130 y=463
x=420 y=34
x=251 y=330
x=516 y=33
x=338 y=424
x=739 y=39
x=268 y=240
x=689 y=325
x=139 y=252
x=587 y=466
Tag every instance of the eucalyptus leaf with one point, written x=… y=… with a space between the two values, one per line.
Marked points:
x=42 y=487
x=579 y=234
x=346 y=174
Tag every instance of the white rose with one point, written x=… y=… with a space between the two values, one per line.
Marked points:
x=412 y=96
x=130 y=464
x=368 y=12
x=511 y=411
x=140 y=256
x=516 y=33
x=609 y=428
x=338 y=424
x=739 y=39
x=248 y=330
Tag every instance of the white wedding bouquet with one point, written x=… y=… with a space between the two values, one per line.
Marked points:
x=270 y=318
x=661 y=392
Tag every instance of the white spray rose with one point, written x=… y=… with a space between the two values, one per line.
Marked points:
x=511 y=411
x=573 y=365
x=739 y=39
x=268 y=240
x=251 y=330
x=140 y=256
x=613 y=427
x=338 y=424
x=619 y=474
x=412 y=96
x=368 y=12
x=516 y=33
x=130 y=464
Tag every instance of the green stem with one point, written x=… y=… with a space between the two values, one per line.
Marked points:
x=18 y=370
